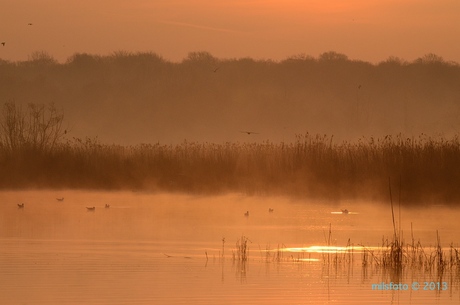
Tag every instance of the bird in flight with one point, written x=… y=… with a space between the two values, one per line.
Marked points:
x=249 y=132
x=3 y=43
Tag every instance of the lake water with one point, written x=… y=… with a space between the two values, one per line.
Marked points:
x=179 y=249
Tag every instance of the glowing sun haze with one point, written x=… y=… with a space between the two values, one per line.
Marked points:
x=275 y=29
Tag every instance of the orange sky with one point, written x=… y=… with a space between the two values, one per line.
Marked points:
x=370 y=30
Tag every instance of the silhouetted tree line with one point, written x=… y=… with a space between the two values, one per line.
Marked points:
x=128 y=95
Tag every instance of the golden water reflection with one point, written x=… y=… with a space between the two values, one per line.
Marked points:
x=177 y=249
x=329 y=249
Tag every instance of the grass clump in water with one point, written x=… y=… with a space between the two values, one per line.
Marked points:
x=241 y=253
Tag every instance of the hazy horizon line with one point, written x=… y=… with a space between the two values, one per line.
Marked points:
x=44 y=54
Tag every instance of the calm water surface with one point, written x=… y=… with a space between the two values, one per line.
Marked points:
x=178 y=249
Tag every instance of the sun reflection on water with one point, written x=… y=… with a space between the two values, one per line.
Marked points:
x=329 y=249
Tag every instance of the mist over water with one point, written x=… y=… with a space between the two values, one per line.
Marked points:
x=145 y=246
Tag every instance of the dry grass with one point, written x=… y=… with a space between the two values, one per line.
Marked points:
x=241 y=253
x=399 y=259
x=312 y=166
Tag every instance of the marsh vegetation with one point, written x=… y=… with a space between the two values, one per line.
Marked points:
x=371 y=119
x=313 y=166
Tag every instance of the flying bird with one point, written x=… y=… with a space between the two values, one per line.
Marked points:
x=249 y=132
x=3 y=43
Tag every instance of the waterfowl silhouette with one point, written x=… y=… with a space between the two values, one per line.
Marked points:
x=60 y=199
x=91 y=208
x=249 y=132
x=107 y=205
x=270 y=210
x=21 y=205
x=246 y=214
x=345 y=211
x=3 y=43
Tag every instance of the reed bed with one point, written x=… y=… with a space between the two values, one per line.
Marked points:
x=399 y=261
x=393 y=260
x=312 y=166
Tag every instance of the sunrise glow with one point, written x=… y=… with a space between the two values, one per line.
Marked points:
x=215 y=152
x=369 y=30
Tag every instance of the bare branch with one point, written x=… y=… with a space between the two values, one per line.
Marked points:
x=38 y=129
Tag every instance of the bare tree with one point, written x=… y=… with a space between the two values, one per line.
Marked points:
x=39 y=128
